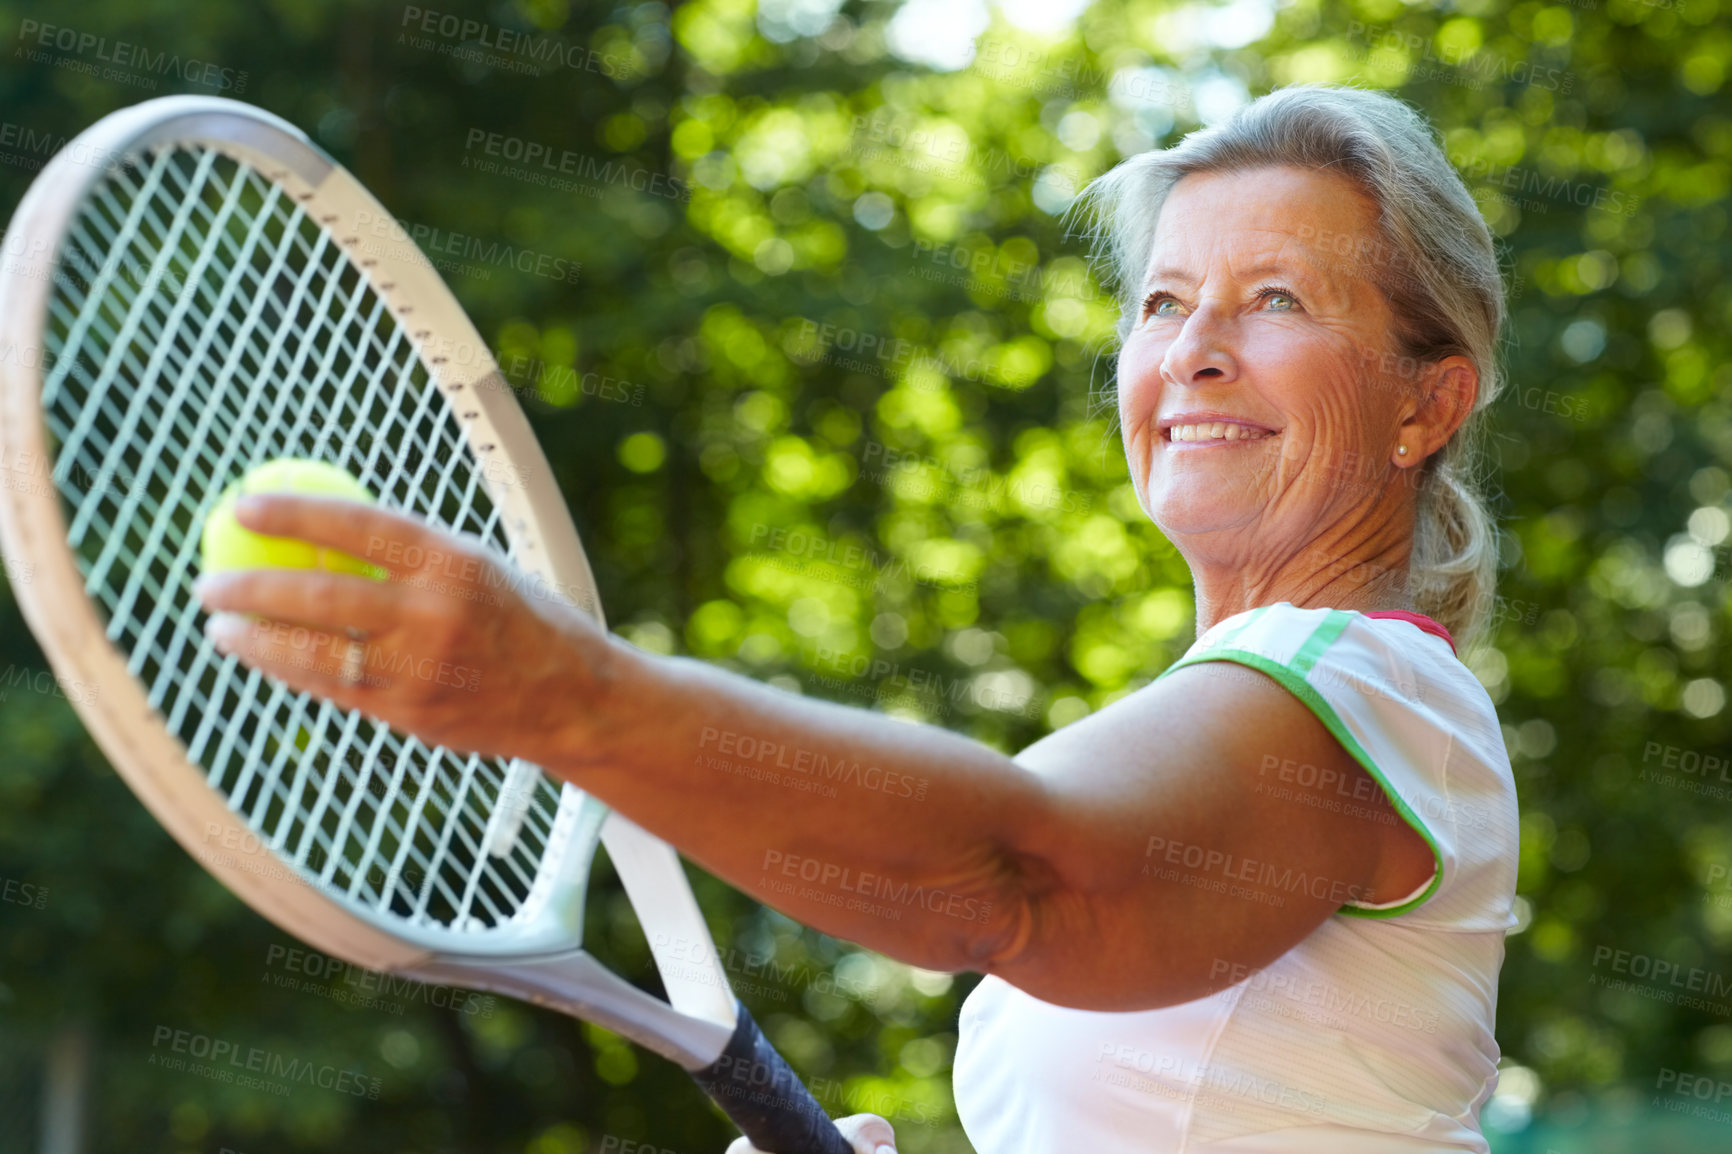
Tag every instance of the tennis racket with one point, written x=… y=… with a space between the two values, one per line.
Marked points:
x=192 y=287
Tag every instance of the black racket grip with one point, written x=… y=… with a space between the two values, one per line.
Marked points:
x=766 y=1099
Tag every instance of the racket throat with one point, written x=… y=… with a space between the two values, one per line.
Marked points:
x=576 y=984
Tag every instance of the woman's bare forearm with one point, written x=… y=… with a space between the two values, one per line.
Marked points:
x=893 y=835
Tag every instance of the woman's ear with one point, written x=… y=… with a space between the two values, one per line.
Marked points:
x=1446 y=400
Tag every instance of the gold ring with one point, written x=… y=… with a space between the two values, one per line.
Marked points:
x=354 y=662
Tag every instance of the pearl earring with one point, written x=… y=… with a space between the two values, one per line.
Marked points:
x=1402 y=449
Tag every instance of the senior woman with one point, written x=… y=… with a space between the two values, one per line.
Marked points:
x=1259 y=904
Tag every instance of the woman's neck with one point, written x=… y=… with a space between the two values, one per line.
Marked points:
x=1365 y=584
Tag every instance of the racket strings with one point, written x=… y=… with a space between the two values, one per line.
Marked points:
x=378 y=351
x=312 y=826
x=201 y=323
x=253 y=762
x=163 y=355
x=195 y=440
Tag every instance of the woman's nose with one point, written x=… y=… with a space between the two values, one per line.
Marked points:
x=1202 y=352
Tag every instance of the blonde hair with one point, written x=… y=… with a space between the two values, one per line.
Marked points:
x=1433 y=257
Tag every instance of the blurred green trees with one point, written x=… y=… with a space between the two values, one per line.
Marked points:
x=827 y=385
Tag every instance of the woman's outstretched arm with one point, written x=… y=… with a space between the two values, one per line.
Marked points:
x=1123 y=862
x=1120 y=863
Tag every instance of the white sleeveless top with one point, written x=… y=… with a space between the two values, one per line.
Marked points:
x=1374 y=1035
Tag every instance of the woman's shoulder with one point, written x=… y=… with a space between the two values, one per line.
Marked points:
x=1389 y=662
x=1399 y=699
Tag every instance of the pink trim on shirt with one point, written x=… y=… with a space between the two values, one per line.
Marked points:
x=1418 y=619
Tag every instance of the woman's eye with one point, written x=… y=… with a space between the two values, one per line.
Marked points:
x=1156 y=306
x=1280 y=301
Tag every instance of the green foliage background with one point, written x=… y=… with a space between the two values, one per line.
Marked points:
x=980 y=561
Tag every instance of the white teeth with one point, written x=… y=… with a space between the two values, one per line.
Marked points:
x=1216 y=431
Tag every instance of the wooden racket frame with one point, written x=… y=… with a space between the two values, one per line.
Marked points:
x=538 y=956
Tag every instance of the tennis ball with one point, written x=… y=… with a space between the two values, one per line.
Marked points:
x=227 y=544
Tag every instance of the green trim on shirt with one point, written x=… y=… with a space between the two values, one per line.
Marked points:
x=1250 y=619
x=1321 y=638
x=1292 y=677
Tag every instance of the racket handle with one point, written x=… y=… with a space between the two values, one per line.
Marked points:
x=766 y=1099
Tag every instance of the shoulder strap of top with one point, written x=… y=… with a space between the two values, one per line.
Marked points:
x=1418 y=619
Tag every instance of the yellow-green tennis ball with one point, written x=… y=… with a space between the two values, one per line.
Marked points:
x=227 y=544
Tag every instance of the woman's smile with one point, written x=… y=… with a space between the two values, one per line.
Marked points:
x=1184 y=435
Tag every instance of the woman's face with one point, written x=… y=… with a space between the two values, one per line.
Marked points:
x=1256 y=388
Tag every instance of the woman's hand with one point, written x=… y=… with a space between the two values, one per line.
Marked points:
x=459 y=648
x=868 y=1133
